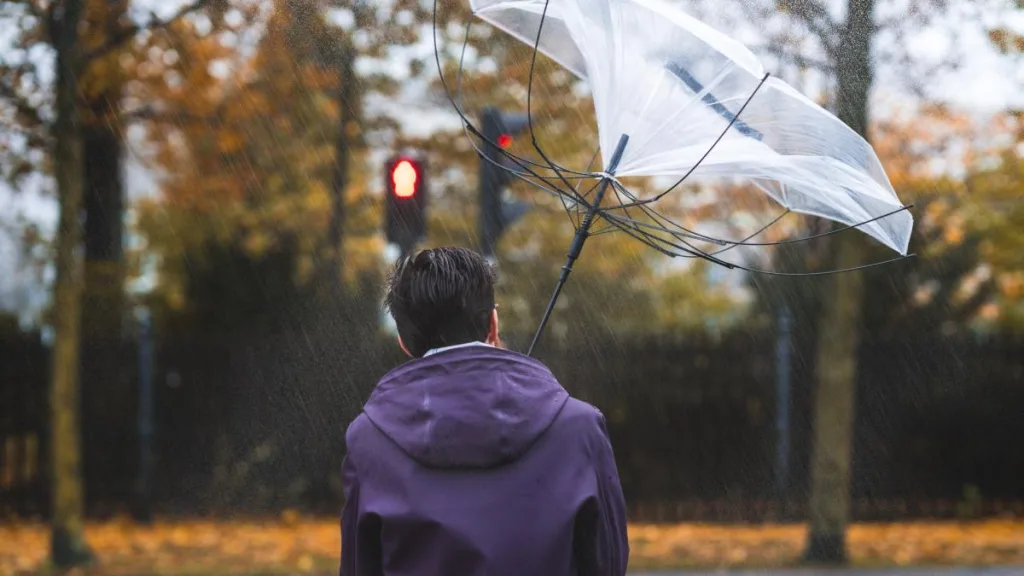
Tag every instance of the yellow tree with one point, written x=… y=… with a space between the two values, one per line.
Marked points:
x=248 y=156
x=42 y=132
x=994 y=194
x=110 y=36
x=995 y=212
x=945 y=288
x=107 y=37
x=262 y=158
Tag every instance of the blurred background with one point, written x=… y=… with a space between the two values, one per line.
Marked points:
x=190 y=305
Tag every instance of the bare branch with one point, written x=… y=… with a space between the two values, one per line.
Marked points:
x=25 y=113
x=800 y=60
x=151 y=114
x=918 y=76
x=34 y=138
x=126 y=34
x=815 y=16
x=32 y=7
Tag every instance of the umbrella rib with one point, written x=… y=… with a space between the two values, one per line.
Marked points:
x=691 y=249
x=684 y=246
x=656 y=241
x=824 y=272
x=656 y=217
x=736 y=243
x=698 y=236
x=731 y=266
x=755 y=234
x=529 y=96
x=830 y=232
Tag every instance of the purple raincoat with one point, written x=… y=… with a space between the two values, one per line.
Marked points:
x=475 y=461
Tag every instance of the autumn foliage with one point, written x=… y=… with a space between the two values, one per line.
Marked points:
x=291 y=545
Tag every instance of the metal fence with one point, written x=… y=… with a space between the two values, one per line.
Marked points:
x=23 y=408
x=255 y=423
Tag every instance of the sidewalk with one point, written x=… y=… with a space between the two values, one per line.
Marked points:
x=856 y=572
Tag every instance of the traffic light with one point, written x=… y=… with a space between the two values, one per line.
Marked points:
x=405 y=184
x=497 y=213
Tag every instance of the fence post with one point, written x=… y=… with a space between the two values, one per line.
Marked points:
x=783 y=354
x=144 y=512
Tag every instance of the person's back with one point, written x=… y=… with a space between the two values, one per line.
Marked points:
x=471 y=459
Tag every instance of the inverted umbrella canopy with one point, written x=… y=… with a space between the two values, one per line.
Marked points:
x=696 y=103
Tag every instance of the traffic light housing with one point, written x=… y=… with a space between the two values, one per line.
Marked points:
x=497 y=213
x=405 y=185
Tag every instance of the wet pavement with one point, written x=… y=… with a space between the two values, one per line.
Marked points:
x=1019 y=571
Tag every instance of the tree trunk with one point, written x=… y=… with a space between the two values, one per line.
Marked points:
x=68 y=547
x=836 y=370
x=104 y=196
x=348 y=124
x=839 y=334
x=108 y=420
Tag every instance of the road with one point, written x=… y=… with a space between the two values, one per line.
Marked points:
x=1019 y=571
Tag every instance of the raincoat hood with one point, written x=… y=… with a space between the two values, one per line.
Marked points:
x=471 y=407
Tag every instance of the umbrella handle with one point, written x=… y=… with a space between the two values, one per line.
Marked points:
x=582 y=233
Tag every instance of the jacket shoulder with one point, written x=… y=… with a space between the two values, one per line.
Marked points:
x=579 y=408
x=582 y=417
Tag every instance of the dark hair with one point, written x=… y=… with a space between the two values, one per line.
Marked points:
x=441 y=297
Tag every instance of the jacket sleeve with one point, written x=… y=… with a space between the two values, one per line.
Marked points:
x=602 y=545
x=360 y=532
x=349 y=518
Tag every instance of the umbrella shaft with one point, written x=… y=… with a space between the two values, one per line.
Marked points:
x=580 y=239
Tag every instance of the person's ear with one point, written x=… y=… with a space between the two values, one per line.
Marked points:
x=493 y=337
x=404 y=349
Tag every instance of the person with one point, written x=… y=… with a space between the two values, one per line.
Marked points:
x=471 y=459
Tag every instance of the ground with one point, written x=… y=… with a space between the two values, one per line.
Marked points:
x=294 y=545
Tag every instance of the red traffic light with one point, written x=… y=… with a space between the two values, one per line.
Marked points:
x=407 y=191
x=404 y=178
x=505 y=141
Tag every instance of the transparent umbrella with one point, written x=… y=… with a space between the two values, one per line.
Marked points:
x=676 y=98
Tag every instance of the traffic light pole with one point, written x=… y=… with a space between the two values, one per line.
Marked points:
x=496 y=213
x=404 y=249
